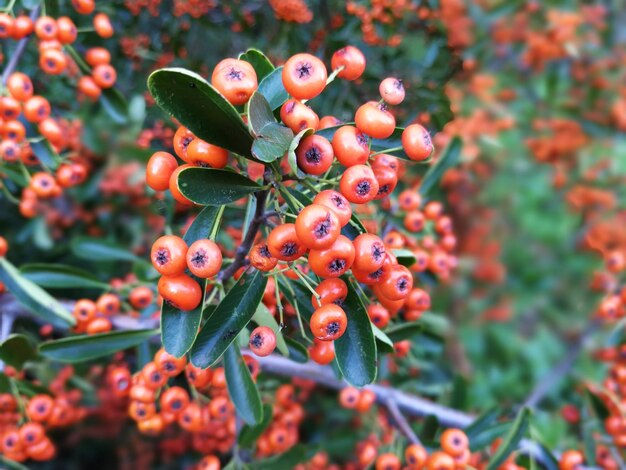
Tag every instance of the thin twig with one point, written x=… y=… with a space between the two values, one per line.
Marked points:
x=401 y=423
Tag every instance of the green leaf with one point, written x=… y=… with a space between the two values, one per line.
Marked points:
x=261 y=64
x=34 y=298
x=11 y=464
x=207 y=186
x=179 y=328
x=291 y=155
x=241 y=387
x=17 y=350
x=512 y=439
x=197 y=105
x=597 y=405
x=458 y=396
x=87 y=347
x=45 y=153
x=383 y=342
x=289 y=459
x=451 y=157
x=204 y=224
x=429 y=428
x=30 y=389
x=356 y=349
x=115 y=105
x=94 y=249
x=483 y=422
x=273 y=89
x=404 y=331
x=405 y=257
x=486 y=437
x=259 y=113
x=249 y=434
x=263 y=317
x=297 y=351
x=61 y=276
x=228 y=319
x=272 y=143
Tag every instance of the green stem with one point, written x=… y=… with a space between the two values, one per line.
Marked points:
x=279 y=303
x=216 y=226
x=307 y=284
x=393 y=149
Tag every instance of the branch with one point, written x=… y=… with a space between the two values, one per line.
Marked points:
x=401 y=423
x=247 y=242
x=559 y=370
x=19 y=50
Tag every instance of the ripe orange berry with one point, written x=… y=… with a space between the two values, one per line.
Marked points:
x=169 y=365
x=328 y=322
x=84 y=7
x=358 y=184
x=322 y=352
x=20 y=86
x=174 y=189
x=46 y=28
x=89 y=87
x=387 y=181
x=304 y=76
x=298 y=116
x=331 y=291
x=398 y=285
x=36 y=109
x=84 y=310
x=337 y=203
x=571 y=460
x=32 y=434
x=392 y=91
x=314 y=155
x=53 y=62
x=388 y=461
x=71 y=175
x=317 y=227
x=209 y=462
x=97 y=56
x=67 y=30
x=22 y=27
x=6 y=26
x=203 y=154
x=349 y=397
x=140 y=297
x=329 y=121
x=159 y=170
x=284 y=244
x=181 y=291
x=98 y=325
x=353 y=61
x=174 y=400
x=378 y=314
x=204 y=258
x=351 y=146
x=416 y=142
x=235 y=79
x=454 y=442
x=4 y=247
x=262 y=341
x=43 y=184
x=108 y=304
x=168 y=255
x=375 y=120
x=415 y=456
x=369 y=252
x=104 y=75
x=102 y=25
x=440 y=461
x=261 y=258
x=334 y=260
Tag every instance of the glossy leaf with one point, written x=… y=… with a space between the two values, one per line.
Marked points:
x=273 y=89
x=179 y=328
x=201 y=108
x=61 y=276
x=45 y=153
x=450 y=157
x=17 y=350
x=383 y=342
x=250 y=433
x=259 y=113
x=203 y=225
x=356 y=349
x=95 y=249
x=87 y=347
x=405 y=257
x=11 y=464
x=297 y=351
x=228 y=319
x=272 y=142
x=512 y=439
x=403 y=331
x=241 y=388
x=291 y=156
x=115 y=105
x=34 y=298
x=259 y=61
x=263 y=317
x=483 y=422
x=207 y=186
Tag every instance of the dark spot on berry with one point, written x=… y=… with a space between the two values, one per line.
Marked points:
x=162 y=256
x=378 y=251
x=234 y=74
x=376 y=274
x=256 y=341
x=199 y=258
x=304 y=69
x=313 y=155
x=337 y=265
x=361 y=139
x=402 y=284
x=264 y=251
x=384 y=189
x=363 y=187
x=321 y=229
x=338 y=201
x=290 y=106
x=176 y=405
x=289 y=249
x=332 y=328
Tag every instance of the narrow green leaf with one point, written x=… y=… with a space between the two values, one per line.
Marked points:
x=203 y=225
x=94 y=249
x=228 y=319
x=483 y=422
x=34 y=298
x=249 y=434
x=61 y=276
x=45 y=153
x=405 y=257
x=263 y=317
x=179 y=328
x=200 y=107
x=383 y=342
x=115 y=105
x=458 y=396
x=597 y=405
x=11 y=464
x=261 y=64
x=403 y=331
x=291 y=155
x=87 y=347
x=511 y=441
x=297 y=351
x=356 y=349
x=241 y=387
x=273 y=89
x=17 y=350
x=451 y=157
x=207 y=186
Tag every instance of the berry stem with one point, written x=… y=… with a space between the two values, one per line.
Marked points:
x=389 y=150
x=333 y=75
